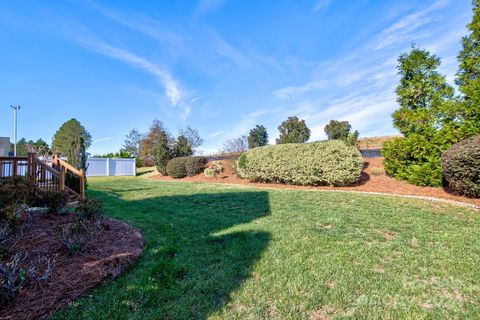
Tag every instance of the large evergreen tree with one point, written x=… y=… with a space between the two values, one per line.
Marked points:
x=426 y=115
x=293 y=130
x=468 y=77
x=182 y=147
x=72 y=140
x=257 y=137
x=422 y=93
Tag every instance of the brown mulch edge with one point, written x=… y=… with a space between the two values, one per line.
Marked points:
x=114 y=248
x=371 y=182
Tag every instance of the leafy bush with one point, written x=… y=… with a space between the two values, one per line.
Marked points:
x=185 y=166
x=176 y=168
x=413 y=159
x=18 y=190
x=461 y=167
x=331 y=162
x=213 y=170
x=195 y=165
x=90 y=209
x=55 y=201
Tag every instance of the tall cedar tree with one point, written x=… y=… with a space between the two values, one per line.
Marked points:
x=468 y=77
x=183 y=147
x=425 y=98
x=72 y=140
x=257 y=137
x=293 y=130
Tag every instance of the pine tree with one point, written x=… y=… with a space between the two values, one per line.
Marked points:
x=69 y=139
x=468 y=78
x=182 y=147
x=257 y=137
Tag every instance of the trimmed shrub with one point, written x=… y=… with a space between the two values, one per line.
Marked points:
x=176 y=168
x=414 y=159
x=195 y=165
x=185 y=166
x=213 y=170
x=320 y=163
x=461 y=167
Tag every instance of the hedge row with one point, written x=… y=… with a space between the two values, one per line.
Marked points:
x=461 y=167
x=319 y=163
x=185 y=166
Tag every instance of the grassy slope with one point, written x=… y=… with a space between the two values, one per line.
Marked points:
x=230 y=252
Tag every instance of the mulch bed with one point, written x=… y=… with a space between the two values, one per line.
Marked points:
x=113 y=249
x=370 y=181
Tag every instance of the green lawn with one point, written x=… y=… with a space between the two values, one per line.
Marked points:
x=224 y=252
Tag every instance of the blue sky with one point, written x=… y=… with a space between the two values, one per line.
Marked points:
x=222 y=66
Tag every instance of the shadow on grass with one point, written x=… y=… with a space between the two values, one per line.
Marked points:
x=193 y=258
x=145 y=171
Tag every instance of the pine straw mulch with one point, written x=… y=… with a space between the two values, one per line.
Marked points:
x=372 y=180
x=112 y=250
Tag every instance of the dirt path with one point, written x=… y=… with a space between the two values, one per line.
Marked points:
x=373 y=180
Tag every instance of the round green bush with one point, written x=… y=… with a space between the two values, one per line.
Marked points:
x=185 y=166
x=318 y=163
x=176 y=168
x=461 y=167
x=195 y=165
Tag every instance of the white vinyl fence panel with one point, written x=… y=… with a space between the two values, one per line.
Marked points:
x=98 y=167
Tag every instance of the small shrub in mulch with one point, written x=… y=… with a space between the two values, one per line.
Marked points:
x=215 y=169
x=55 y=202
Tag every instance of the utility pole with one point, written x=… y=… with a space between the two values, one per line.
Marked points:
x=15 y=109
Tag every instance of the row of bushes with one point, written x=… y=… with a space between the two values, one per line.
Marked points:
x=319 y=163
x=411 y=159
x=185 y=166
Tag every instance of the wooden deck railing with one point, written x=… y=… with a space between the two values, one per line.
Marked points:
x=44 y=176
x=13 y=166
x=56 y=177
x=74 y=178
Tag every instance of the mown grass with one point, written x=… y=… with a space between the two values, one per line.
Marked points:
x=223 y=252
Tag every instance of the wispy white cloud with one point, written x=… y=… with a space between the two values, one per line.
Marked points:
x=209 y=5
x=171 y=87
x=321 y=5
x=293 y=91
x=143 y=23
x=403 y=28
x=225 y=49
